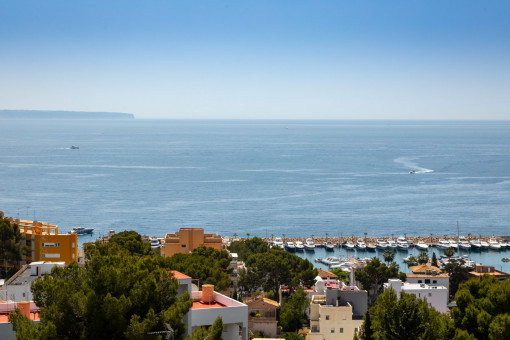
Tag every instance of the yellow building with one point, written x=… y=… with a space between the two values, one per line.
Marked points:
x=187 y=239
x=44 y=243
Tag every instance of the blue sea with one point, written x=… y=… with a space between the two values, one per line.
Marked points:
x=260 y=178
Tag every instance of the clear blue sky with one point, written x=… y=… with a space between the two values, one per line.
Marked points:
x=428 y=59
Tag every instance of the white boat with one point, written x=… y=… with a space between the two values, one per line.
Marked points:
x=290 y=246
x=463 y=244
x=402 y=244
x=278 y=243
x=371 y=247
x=360 y=244
x=494 y=245
x=331 y=260
x=299 y=246
x=349 y=245
x=475 y=245
x=330 y=245
x=309 y=244
x=422 y=246
x=453 y=244
x=503 y=244
x=381 y=244
x=81 y=230
x=485 y=244
x=443 y=244
x=392 y=244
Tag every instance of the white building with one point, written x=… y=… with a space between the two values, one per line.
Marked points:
x=436 y=296
x=208 y=305
x=429 y=275
x=17 y=288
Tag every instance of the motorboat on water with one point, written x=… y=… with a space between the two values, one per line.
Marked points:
x=494 y=245
x=485 y=244
x=422 y=246
x=309 y=244
x=74 y=147
x=349 y=245
x=371 y=247
x=290 y=246
x=299 y=246
x=381 y=244
x=329 y=245
x=412 y=172
x=392 y=244
x=443 y=244
x=81 y=231
x=453 y=244
x=402 y=244
x=278 y=243
x=463 y=244
x=331 y=260
x=476 y=245
x=361 y=245
x=503 y=244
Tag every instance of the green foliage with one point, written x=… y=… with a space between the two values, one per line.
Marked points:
x=374 y=275
x=483 y=307
x=277 y=267
x=405 y=318
x=449 y=252
x=291 y=336
x=434 y=259
x=12 y=250
x=423 y=258
x=458 y=274
x=412 y=261
x=342 y=275
x=116 y=295
x=388 y=255
x=292 y=312
x=215 y=332
x=246 y=248
x=132 y=242
x=366 y=332
x=208 y=265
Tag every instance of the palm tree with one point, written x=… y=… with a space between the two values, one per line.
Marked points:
x=247 y=235
x=423 y=258
x=235 y=235
x=388 y=255
x=449 y=252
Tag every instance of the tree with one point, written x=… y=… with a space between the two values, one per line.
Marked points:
x=423 y=258
x=291 y=336
x=434 y=259
x=342 y=275
x=292 y=313
x=449 y=252
x=132 y=242
x=246 y=248
x=412 y=261
x=12 y=250
x=483 y=306
x=388 y=255
x=458 y=273
x=116 y=295
x=366 y=332
x=407 y=317
x=374 y=275
x=215 y=332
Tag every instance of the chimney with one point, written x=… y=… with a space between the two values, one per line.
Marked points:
x=208 y=294
x=24 y=307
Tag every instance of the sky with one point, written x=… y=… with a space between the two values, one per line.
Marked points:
x=258 y=59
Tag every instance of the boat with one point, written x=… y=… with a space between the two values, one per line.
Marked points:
x=485 y=244
x=331 y=260
x=74 y=147
x=278 y=243
x=402 y=244
x=349 y=245
x=329 y=246
x=309 y=244
x=155 y=243
x=81 y=231
x=299 y=246
x=371 y=247
x=443 y=244
x=412 y=172
x=381 y=244
x=494 y=245
x=463 y=244
x=505 y=259
x=503 y=244
x=392 y=244
x=361 y=245
x=290 y=246
x=422 y=246
x=476 y=245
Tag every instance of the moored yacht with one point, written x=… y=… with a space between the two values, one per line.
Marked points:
x=278 y=243
x=476 y=245
x=494 y=245
x=371 y=247
x=290 y=246
x=485 y=244
x=330 y=246
x=299 y=246
x=361 y=245
x=392 y=244
x=309 y=244
x=463 y=244
x=422 y=246
x=381 y=244
x=443 y=244
x=349 y=245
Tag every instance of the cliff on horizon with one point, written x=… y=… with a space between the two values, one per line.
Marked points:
x=40 y=114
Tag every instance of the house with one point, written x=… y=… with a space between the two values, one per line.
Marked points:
x=429 y=275
x=208 y=305
x=44 y=243
x=28 y=308
x=479 y=270
x=335 y=291
x=17 y=288
x=262 y=315
x=436 y=296
x=332 y=321
x=187 y=239
x=324 y=274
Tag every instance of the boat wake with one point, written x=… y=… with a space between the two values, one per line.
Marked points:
x=409 y=163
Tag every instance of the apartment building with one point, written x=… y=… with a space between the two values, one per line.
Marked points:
x=436 y=296
x=187 y=239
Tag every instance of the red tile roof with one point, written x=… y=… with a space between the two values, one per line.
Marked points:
x=179 y=275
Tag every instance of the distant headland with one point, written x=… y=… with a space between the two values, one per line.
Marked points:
x=40 y=114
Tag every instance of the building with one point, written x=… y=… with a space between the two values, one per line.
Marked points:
x=332 y=321
x=28 y=308
x=208 y=305
x=479 y=270
x=336 y=292
x=429 y=275
x=17 y=288
x=44 y=243
x=262 y=315
x=436 y=296
x=187 y=239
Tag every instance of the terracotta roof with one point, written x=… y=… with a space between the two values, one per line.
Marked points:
x=179 y=275
x=422 y=268
x=266 y=300
x=324 y=274
x=445 y=275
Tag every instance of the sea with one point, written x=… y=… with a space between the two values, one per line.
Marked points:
x=259 y=177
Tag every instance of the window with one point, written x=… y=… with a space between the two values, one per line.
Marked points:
x=332 y=330
x=72 y=244
x=327 y=317
x=341 y=330
x=344 y=317
x=53 y=245
x=183 y=245
x=430 y=294
x=427 y=280
x=434 y=281
x=355 y=330
x=50 y=256
x=24 y=295
x=419 y=281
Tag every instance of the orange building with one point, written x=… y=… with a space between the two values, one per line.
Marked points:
x=44 y=243
x=187 y=239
